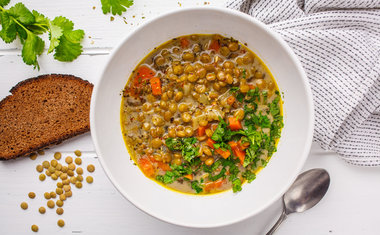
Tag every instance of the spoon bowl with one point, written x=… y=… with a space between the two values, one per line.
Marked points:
x=306 y=191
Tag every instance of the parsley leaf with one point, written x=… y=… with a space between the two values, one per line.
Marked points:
x=116 y=7
x=220 y=131
x=173 y=144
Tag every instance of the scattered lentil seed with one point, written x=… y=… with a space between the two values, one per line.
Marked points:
x=63 y=176
x=89 y=179
x=53 y=163
x=54 y=176
x=50 y=204
x=57 y=155
x=65 y=169
x=42 y=210
x=90 y=168
x=47 y=195
x=59 y=191
x=59 y=185
x=78 y=184
x=71 y=166
x=66 y=188
x=53 y=194
x=73 y=180
x=62 y=197
x=79 y=178
x=34 y=228
x=24 y=205
x=33 y=156
x=39 y=168
x=61 y=223
x=78 y=153
x=69 y=160
x=70 y=173
x=31 y=195
x=79 y=170
x=66 y=182
x=41 y=152
x=51 y=169
x=59 y=203
x=42 y=177
x=59 y=211
x=47 y=172
x=45 y=164
x=68 y=194
x=58 y=173
x=78 y=161
x=58 y=167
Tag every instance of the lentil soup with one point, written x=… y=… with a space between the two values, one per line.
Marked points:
x=201 y=114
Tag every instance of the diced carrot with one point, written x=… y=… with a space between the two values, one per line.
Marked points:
x=145 y=72
x=155 y=83
x=213 y=185
x=185 y=43
x=237 y=150
x=189 y=176
x=235 y=124
x=201 y=130
x=231 y=100
x=224 y=153
x=210 y=143
x=214 y=45
x=147 y=167
x=164 y=166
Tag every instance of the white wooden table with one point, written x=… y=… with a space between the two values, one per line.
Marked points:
x=350 y=207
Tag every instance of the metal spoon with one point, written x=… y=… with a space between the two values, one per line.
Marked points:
x=308 y=189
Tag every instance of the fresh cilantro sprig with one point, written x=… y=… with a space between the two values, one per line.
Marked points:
x=186 y=145
x=28 y=25
x=116 y=7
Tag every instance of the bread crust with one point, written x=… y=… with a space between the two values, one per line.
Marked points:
x=51 y=139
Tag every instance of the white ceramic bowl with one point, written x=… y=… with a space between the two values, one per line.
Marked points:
x=220 y=209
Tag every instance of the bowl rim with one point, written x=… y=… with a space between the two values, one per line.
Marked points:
x=308 y=98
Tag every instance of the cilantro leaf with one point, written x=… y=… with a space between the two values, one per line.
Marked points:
x=196 y=186
x=220 y=131
x=41 y=24
x=20 y=13
x=33 y=47
x=8 y=32
x=69 y=47
x=173 y=144
x=186 y=145
x=4 y=2
x=236 y=185
x=116 y=7
x=249 y=176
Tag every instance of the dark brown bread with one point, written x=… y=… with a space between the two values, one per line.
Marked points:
x=43 y=111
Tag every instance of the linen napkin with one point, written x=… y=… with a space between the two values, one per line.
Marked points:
x=338 y=44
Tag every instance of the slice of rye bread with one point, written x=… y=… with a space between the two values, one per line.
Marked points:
x=43 y=111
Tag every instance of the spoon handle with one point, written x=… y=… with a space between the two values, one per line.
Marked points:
x=279 y=221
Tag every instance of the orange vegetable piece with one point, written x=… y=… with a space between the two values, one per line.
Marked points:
x=189 y=176
x=147 y=167
x=210 y=143
x=231 y=100
x=185 y=43
x=235 y=124
x=224 y=153
x=237 y=150
x=201 y=131
x=164 y=166
x=214 y=45
x=209 y=186
x=155 y=83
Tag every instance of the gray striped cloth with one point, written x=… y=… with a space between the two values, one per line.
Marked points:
x=338 y=44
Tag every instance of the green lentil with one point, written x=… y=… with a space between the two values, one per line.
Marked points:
x=42 y=210
x=24 y=205
x=61 y=223
x=34 y=228
x=89 y=179
x=31 y=195
x=57 y=155
x=78 y=153
x=42 y=177
x=90 y=168
x=59 y=211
